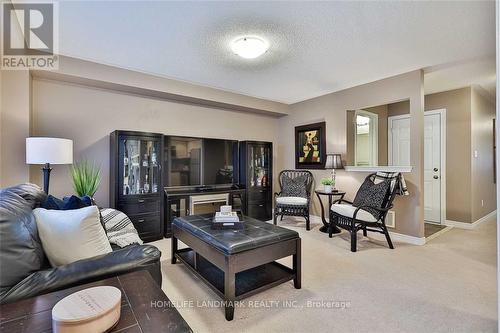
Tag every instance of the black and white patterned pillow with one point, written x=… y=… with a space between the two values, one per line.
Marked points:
x=373 y=195
x=119 y=229
x=294 y=187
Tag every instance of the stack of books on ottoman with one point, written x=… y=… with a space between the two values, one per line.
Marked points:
x=227 y=219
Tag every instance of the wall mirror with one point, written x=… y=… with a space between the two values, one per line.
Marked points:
x=378 y=135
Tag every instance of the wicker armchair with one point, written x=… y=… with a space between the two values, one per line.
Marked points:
x=345 y=215
x=295 y=196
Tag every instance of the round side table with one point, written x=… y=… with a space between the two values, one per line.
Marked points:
x=330 y=195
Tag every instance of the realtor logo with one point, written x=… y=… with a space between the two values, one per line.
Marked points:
x=30 y=36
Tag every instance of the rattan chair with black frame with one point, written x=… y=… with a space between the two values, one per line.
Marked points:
x=294 y=197
x=344 y=214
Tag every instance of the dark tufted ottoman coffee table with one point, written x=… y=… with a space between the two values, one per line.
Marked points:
x=236 y=264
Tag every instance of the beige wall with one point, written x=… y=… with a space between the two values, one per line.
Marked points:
x=469 y=118
x=482 y=185
x=15 y=126
x=332 y=109
x=398 y=108
x=91 y=73
x=381 y=110
x=87 y=116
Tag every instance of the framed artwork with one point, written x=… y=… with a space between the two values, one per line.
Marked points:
x=310 y=146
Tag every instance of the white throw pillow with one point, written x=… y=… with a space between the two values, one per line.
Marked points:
x=71 y=235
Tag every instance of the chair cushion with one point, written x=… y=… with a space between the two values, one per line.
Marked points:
x=294 y=187
x=255 y=233
x=348 y=210
x=373 y=195
x=293 y=201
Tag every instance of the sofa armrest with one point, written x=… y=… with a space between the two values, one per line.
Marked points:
x=128 y=259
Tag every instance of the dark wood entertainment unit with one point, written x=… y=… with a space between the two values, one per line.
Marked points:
x=177 y=202
x=139 y=186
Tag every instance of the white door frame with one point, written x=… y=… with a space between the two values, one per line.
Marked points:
x=441 y=112
x=374 y=133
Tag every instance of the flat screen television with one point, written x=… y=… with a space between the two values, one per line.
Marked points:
x=200 y=161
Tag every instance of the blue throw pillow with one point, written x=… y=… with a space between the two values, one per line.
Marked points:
x=68 y=203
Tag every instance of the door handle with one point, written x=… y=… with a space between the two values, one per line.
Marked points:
x=435 y=177
x=140 y=220
x=140 y=200
x=436 y=169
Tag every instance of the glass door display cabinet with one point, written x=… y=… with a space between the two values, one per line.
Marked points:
x=136 y=180
x=256 y=174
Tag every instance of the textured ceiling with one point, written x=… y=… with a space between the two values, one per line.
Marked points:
x=315 y=47
x=458 y=75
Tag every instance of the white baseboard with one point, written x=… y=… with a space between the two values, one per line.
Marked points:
x=460 y=225
x=470 y=226
x=397 y=237
x=439 y=233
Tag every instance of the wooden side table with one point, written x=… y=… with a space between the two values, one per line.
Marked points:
x=330 y=195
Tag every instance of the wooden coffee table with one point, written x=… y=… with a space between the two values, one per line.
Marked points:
x=145 y=308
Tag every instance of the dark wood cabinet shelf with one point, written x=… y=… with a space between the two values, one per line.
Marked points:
x=256 y=175
x=136 y=186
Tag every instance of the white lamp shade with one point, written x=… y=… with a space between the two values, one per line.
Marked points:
x=49 y=150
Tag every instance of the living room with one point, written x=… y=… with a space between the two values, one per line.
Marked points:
x=165 y=79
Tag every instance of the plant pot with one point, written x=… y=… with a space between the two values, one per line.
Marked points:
x=328 y=188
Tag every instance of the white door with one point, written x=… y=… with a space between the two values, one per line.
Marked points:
x=432 y=168
x=399 y=136
x=399 y=154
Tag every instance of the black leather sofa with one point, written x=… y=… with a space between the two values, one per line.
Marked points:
x=24 y=269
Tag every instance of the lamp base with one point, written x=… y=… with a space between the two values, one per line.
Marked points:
x=46 y=177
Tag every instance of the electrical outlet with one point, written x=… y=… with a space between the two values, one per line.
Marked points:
x=475 y=153
x=482 y=203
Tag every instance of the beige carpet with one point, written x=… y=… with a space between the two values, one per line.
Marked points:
x=447 y=285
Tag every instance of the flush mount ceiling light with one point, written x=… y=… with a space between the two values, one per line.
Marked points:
x=249 y=47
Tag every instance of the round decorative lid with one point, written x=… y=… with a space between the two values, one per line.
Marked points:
x=87 y=304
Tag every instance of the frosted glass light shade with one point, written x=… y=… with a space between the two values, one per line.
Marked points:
x=249 y=47
x=41 y=150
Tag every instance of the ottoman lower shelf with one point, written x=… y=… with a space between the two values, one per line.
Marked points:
x=248 y=282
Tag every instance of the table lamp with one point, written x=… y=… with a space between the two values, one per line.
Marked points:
x=48 y=151
x=334 y=161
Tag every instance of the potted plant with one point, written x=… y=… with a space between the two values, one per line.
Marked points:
x=328 y=184
x=86 y=178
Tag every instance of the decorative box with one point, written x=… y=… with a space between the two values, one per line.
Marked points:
x=94 y=309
